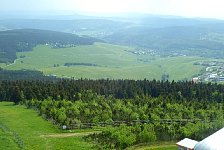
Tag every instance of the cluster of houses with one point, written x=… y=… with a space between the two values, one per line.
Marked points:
x=212 y=142
x=143 y=52
x=213 y=72
x=60 y=45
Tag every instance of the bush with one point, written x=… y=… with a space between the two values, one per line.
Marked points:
x=147 y=134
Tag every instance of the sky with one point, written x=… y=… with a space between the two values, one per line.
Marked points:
x=186 y=8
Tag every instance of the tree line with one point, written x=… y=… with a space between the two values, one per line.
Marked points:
x=23 y=75
x=68 y=88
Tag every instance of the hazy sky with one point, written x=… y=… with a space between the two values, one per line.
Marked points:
x=188 y=8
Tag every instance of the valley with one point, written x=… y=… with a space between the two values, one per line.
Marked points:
x=133 y=82
x=104 y=61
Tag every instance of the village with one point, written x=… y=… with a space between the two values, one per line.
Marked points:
x=213 y=71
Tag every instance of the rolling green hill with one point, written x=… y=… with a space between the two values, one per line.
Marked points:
x=103 y=60
x=19 y=40
x=148 y=40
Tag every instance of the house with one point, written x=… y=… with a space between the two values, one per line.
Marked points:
x=195 y=79
x=186 y=144
x=221 y=78
x=213 y=76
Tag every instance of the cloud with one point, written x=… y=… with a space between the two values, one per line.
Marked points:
x=189 y=8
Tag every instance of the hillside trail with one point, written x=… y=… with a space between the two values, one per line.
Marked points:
x=62 y=135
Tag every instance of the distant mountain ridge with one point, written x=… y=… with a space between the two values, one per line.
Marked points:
x=166 y=35
x=201 y=39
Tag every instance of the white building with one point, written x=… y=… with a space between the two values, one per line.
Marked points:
x=186 y=144
x=212 y=142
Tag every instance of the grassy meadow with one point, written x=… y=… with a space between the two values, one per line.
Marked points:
x=111 y=61
x=33 y=131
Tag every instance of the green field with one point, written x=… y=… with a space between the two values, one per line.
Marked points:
x=33 y=131
x=112 y=61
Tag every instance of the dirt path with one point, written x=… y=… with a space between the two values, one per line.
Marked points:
x=62 y=135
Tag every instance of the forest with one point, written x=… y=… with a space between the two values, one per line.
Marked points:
x=134 y=112
x=23 y=75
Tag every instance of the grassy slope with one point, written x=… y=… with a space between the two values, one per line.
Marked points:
x=113 y=62
x=29 y=126
x=7 y=142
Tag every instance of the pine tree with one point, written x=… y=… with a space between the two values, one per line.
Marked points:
x=17 y=95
